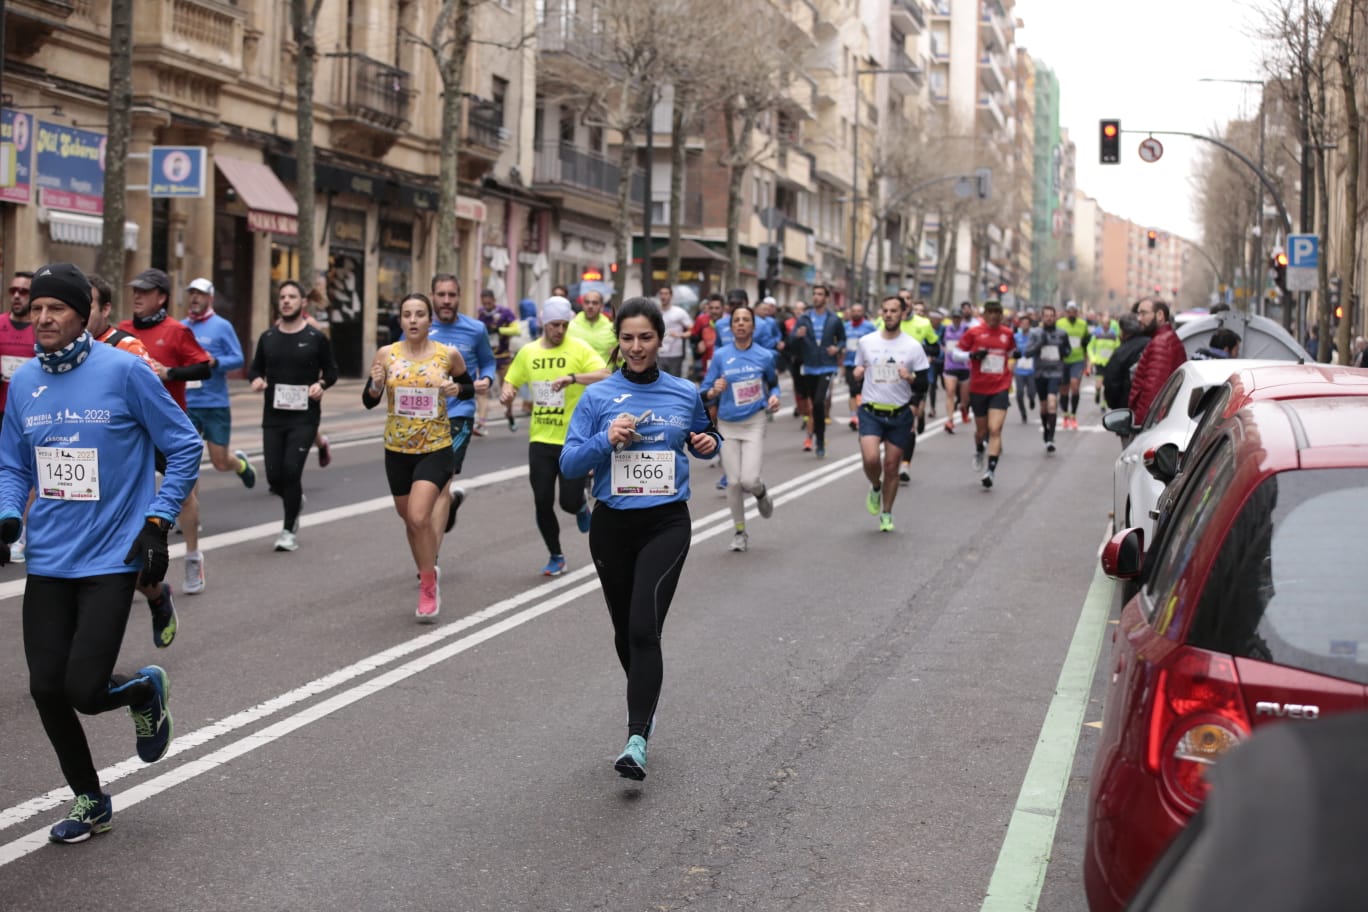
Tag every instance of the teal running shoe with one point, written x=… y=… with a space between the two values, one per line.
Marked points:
x=92 y=813
x=631 y=763
x=152 y=720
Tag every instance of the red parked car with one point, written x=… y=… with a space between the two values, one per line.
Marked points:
x=1251 y=611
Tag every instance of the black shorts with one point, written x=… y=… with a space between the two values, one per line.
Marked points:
x=962 y=375
x=855 y=386
x=403 y=469
x=461 y=429
x=1047 y=386
x=980 y=403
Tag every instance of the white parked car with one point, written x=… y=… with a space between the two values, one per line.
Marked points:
x=1169 y=425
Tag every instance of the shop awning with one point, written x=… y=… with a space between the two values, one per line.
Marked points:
x=86 y=230
x=270 y=206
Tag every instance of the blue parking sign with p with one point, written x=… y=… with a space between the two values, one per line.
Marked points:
x=1303 y=251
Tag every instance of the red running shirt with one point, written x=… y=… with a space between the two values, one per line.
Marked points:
x=171 y=344
x=992 y=373
x=16 y=346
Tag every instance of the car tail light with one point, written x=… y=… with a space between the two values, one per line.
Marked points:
x=1197 y=716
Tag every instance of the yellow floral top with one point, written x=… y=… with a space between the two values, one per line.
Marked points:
x=417 y=421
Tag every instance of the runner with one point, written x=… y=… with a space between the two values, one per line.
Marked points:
x=1075 y=363
x=501 y=326
x=16 y=348
x=895 y=372
x=1023 y=375
x=767 y=333
x=990 y=346
x=791 y=359
x=632 y=431
x=1048 y=347
x=677 y=326
x=467 y=335
x=95 y=501
x=592 y=327
x=704 y=334
x=856 y=328
x=955 y=375
x=417 y=376
x=919 y=327
x=208 y=399
x=821 y=338
x=172 y=346
x=557 y=368
x=293 y=365
x=743 y=383
x=1106 y=339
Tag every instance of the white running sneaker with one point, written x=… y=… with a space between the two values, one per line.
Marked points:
x=765 y=504
x=286 y=541
x=740 y=542
x=194 y=573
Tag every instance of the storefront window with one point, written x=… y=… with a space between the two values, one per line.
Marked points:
x=395 y=278
x=346 y=282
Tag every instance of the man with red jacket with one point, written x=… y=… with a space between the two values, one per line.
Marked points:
x=1160 y=359
x=991 y=347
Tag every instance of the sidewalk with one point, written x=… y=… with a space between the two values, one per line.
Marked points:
x=344 y=417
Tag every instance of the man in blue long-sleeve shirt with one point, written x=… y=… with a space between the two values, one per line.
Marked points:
x=81 y=427
x=207 y=400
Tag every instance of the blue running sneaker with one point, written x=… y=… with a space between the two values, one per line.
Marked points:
x=583 y=518
x=245 y=470
x=722 y=483
x=631 y=763
x=92 y=813
x=555 y=566
x=152 y=720
x=164 y=623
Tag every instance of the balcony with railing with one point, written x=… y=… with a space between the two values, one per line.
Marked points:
x=909 y=75
x=29 y=23
x=574 y=45
x=991 y=75
x=561 y=167
x=484 y=134
x=372 y=104
x=938 y=9
x=991 y=26
x=908 y=16
x=991 y=112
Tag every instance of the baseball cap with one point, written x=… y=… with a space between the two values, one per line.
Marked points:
x=201 y=284
x=768 y=299
x=64 y=282
x=152 y=278
x=1071 y=305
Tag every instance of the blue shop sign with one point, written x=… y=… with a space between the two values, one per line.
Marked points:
x=177 y=171
x=71 y=168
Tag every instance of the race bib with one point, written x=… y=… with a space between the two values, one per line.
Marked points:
x=290 y=398
x=1049 y=353
x=415 y=402
x=1076 y=342
x=885 y=372
x=193 y=384
x=994 y=363
x=68 y=474
x=543 y=396
x=9 y=364
x=639 y=473
x=1025 y=364
x=746 y=392
x=852 y=343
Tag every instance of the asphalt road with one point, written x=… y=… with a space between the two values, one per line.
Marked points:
x=847 y=721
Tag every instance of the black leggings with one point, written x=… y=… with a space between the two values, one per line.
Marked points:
x=639 y=555
x=819 y=385
x=72 y=632
x=543 y=470
x=285 y=450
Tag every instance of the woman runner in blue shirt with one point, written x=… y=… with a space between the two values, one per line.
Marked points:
x=631 y=430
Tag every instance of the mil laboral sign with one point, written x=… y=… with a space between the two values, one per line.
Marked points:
x=71 y=168
x=177 y=172
x=16 y=131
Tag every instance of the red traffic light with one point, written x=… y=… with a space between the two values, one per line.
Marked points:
x=1002 y=288
x=1280 y=258
x=1153 y=235
x=1109 y=130
x=591 y=275
x=1339 y=311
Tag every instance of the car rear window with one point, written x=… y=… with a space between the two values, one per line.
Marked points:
x=1290 y=584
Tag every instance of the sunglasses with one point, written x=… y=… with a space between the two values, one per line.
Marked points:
x=15 y=289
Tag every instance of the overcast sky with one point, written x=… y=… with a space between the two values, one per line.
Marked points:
x=1141 y=62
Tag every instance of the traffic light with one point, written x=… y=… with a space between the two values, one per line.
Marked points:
x=772 y=256
x=1151 y=238
x=1002 y=288
x=1333 y=299
x=1277 y=271
x=1110 y=144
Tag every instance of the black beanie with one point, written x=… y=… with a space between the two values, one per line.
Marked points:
x=64 y=282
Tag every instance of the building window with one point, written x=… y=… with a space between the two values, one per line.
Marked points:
x=567 y=126
x=499 y=95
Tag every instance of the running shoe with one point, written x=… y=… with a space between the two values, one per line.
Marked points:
x=287 y=541
x=194 y=574
x=722 y=483
x=583 y=518
x=631 y=763
x=164 y=623
x=807 y=444
x=429 y=599
x=904 y=478
x=555 y=566
x=92 y=813
x=764 y=503
x=245 y=470
x=18 y=552
x=478 y=430
x=987 y=479
x=457 y=498
x=885 y=522
x=964 y=416
x=740 y=542
x=950 y=423
x=324 y=452
x=980 y=460
x=1049 y=446
x=873 y=501
x=821 y=451
x=512 y=423
x=921 y=423
x=152 y=720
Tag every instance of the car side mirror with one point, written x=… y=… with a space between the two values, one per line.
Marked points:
x=1124 y=554
x=1162 y=463
x=1119 y=421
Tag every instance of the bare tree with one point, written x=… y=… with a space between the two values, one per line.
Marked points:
x=304 y=21
x=110 y=263
x=1225 y=207
x=1348 y=52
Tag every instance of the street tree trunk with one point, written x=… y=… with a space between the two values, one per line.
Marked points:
x=738 y=143
x=680 y=118
x=304 y=19
x=912 y=256
x=1353 y=316
x=110 y=263
x=622 y=231
x=450 y=44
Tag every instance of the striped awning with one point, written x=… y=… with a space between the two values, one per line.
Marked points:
x=85 y=230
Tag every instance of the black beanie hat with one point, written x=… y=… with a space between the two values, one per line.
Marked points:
x=64 y=282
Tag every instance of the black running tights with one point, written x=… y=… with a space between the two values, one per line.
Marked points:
x=285 y=450
x=639 y=555
x=819 y=386
x=72 y=632
x=543 y=471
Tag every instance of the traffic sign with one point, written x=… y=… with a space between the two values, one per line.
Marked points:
x=1303 y=251
x=1151 y=150
x=177 y=171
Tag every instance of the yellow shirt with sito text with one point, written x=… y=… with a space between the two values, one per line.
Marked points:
x=534 y=364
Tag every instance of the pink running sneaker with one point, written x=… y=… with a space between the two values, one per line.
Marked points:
x=429 y=598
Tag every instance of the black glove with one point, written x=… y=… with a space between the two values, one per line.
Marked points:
x=978 y=355
x=1016 y=354
x=9 y=534
x=151 y=546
